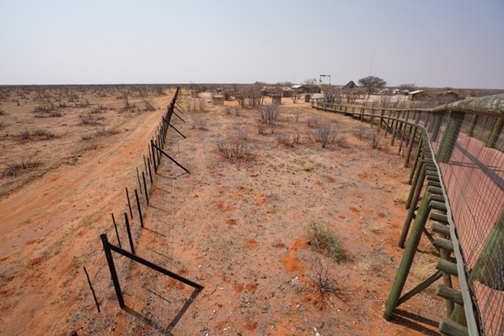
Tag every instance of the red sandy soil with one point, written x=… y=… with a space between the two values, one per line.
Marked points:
x=237 y=227
x=48 y=224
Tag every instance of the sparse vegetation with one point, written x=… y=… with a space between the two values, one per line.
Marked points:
x=325 y=240
x=12 y=169
x=289 y=139
x=88 y=119
x=269 y=114
x=232 y=110
x=39 y=134
x=200 y=123
x=374 y=139
x=324 y=134
x=323 y=277
x=342 y=141
x=312 y=162
x=314 y=122
x=235 y=145
x=107 y=132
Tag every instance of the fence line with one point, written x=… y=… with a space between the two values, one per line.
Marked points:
x=463 y=144
x=80 y=291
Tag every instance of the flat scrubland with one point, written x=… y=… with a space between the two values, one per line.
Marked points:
x=241 y=224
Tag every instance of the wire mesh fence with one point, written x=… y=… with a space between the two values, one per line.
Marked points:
x=473 y=175
x=469 y=148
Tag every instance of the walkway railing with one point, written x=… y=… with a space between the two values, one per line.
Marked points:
x=459 y=167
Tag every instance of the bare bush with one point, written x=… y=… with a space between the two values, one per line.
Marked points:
x=200 y=123
x=374 y=139
x=107 y=132
x=323 y=276
x=14 y=168
x=87 y=119
x=231 y=148
x=269 y=114
x=352 y=96
x=325 y=134
x=361 y=131
x=25 y=135
x=332 y=94
x=289 y=139
x=254 y=95
x=45 y=134
x=98 y=109
x=232 y=110
x=235 y=145
x=2 y=112
x=240 y=132
x=285 y=139
x=314 y=122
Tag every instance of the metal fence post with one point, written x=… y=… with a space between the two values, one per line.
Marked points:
x=113 y=273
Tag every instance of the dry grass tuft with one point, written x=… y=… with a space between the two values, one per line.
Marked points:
x=401 y=195
x=312 y=162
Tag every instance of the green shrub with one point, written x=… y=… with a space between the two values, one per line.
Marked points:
x=325 y=240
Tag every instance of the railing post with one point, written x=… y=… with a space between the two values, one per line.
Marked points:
x=474 y=120
x=488 y=267
x=437 y=126
x=417 y=190
x=402 y=129
x=410 y=145
x=417 y=156
x=495 y=132
x=394 y=126
x=427 y=120
x=450 y=136
x=409 y=254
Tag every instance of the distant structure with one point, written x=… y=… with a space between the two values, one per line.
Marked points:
x=350 y=85
x=415 y=95
x=300 y=88
x=218 y=100
x=276 y=99
x=288 y=92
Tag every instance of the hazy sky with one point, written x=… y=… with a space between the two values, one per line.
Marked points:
x=438 y=43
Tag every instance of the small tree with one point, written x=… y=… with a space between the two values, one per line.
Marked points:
x=372 y=82
x=332 y=94
x=309 y=85
x=408 y=86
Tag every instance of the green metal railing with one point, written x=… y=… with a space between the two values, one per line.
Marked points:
x=459 y=167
